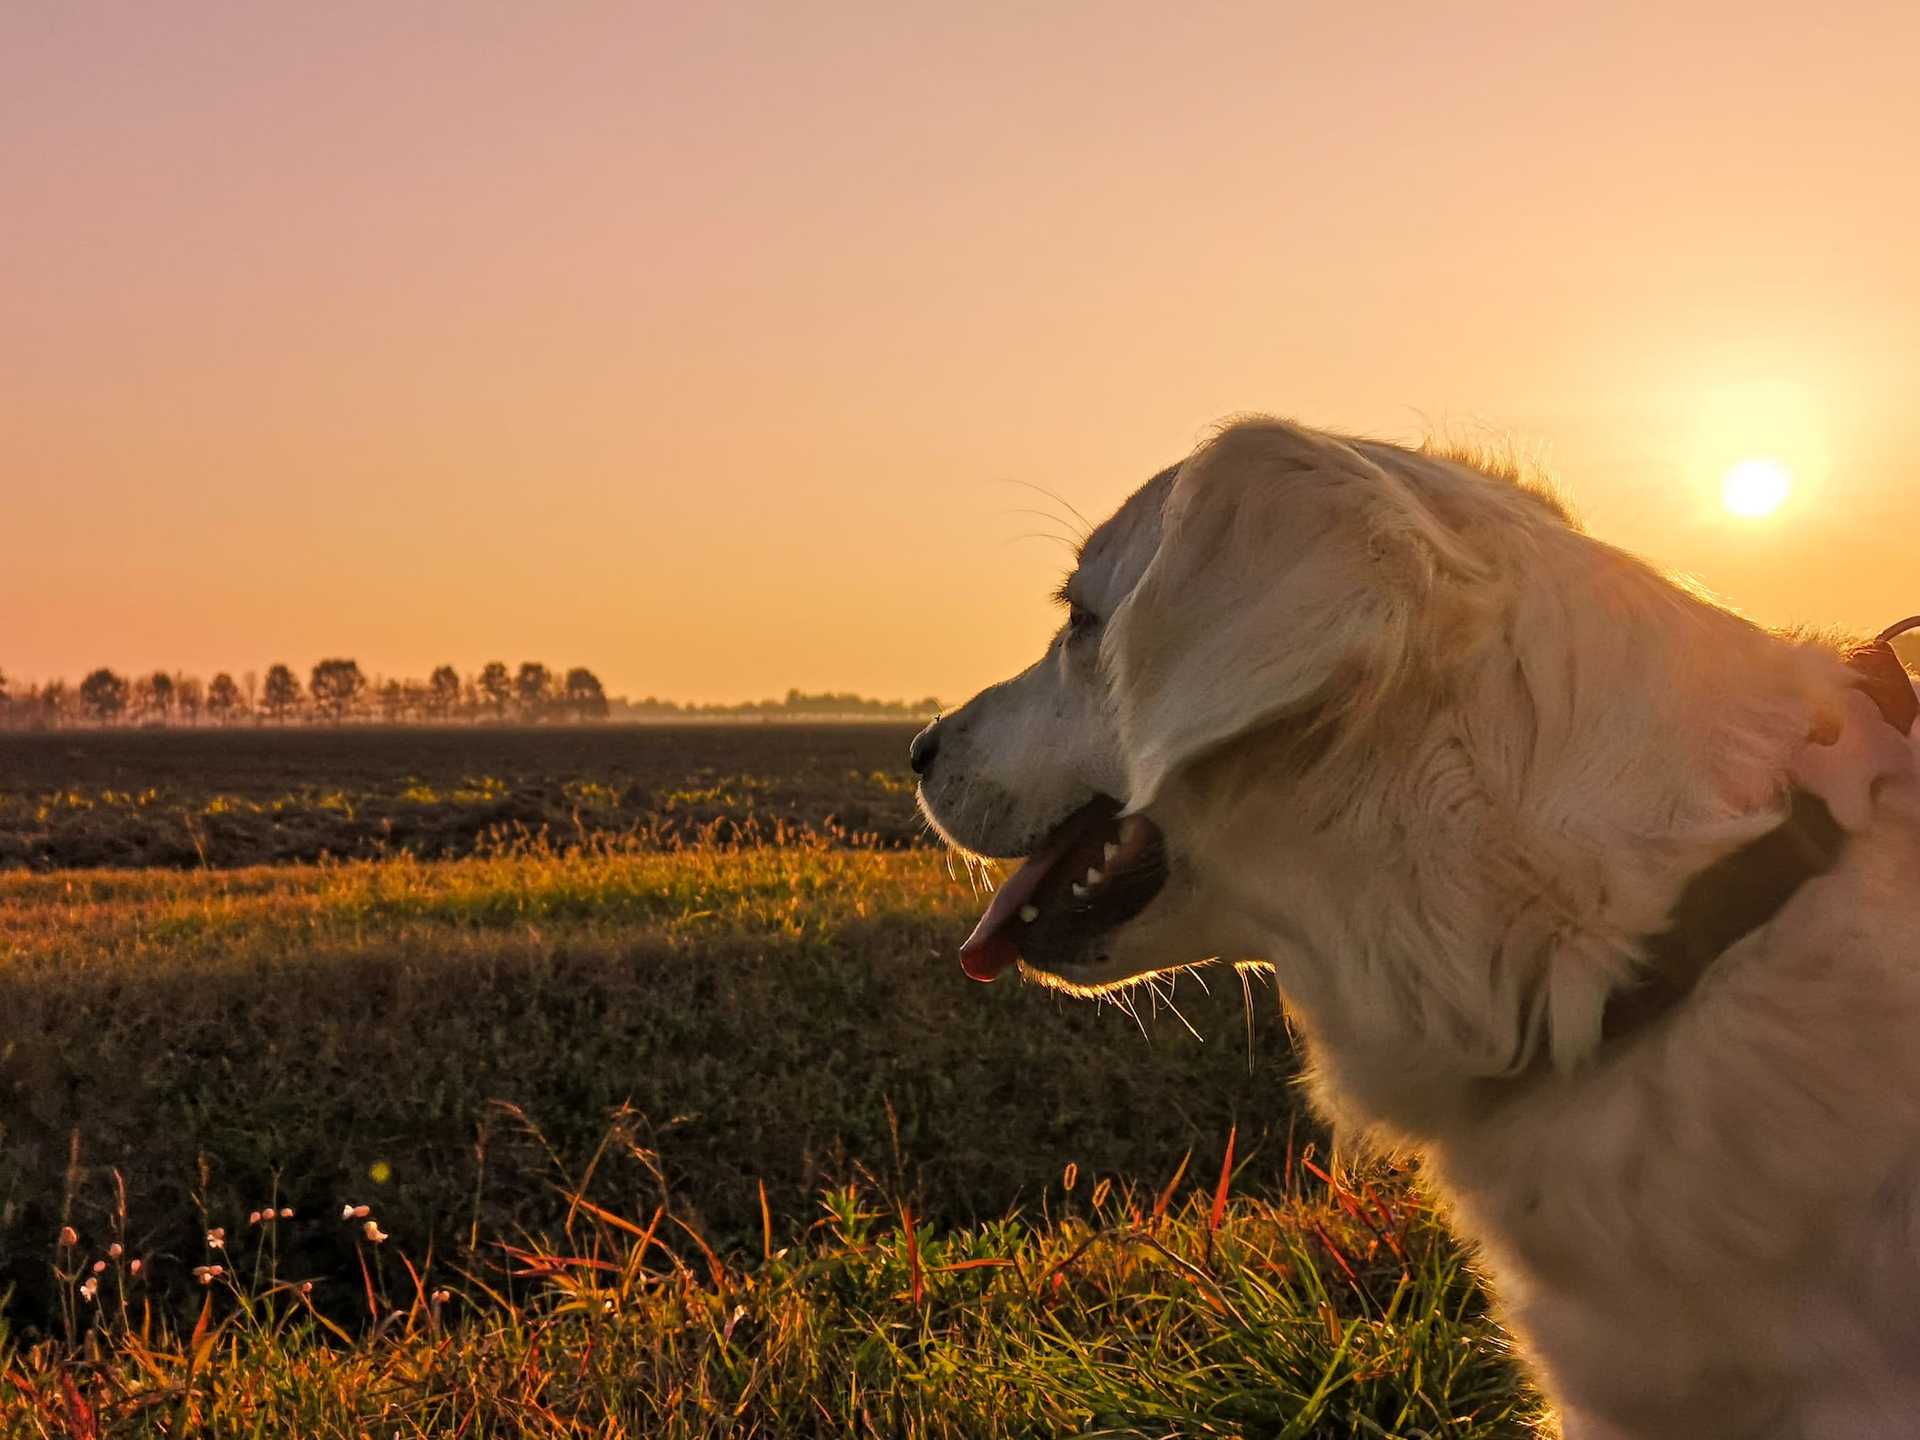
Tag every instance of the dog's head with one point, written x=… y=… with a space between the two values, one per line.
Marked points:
x=1269 y=584
x=1384 y=720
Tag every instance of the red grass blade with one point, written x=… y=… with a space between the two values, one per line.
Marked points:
x=1166 y=1195
x=1220 y=1191
x=366 y=1275
x=714 y=1267
x=1338 y=1257
x=913 y=1258
x=81 y=1423
x=200 y=1328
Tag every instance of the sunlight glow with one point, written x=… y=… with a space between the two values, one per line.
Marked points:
x=1756 y=487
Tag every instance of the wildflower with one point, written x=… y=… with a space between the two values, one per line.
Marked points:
x=373 y=1231
x=114 y=1250
x=89 y=1288
x=306 y=1287
x=286 y=1212
x=440 y=1297
x=354 y=1212
x=134 y=1268
x=253 y=1217
x=217 y=1238
x=98 y=1266
x=207 y=1274
x=67 y=1235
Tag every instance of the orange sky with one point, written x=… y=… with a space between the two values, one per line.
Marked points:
x=701 y=344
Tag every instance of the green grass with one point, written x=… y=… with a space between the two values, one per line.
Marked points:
x=788 y=1016
x=698 y=1094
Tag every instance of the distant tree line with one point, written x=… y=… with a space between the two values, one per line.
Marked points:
x=338 y=692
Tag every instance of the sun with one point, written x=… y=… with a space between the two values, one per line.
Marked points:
x=1756 y=487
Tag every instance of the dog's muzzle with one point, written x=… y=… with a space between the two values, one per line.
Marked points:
x=1092 y=874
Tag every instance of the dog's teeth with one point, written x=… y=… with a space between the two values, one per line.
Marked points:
x=1108 y=851
x=1094 y=877
x=1029 y=914
x=1079 y=891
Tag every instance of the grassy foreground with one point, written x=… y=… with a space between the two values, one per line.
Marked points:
x=1334 y=1313
x=709 y=1142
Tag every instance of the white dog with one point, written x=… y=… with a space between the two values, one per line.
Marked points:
x=1602 y=900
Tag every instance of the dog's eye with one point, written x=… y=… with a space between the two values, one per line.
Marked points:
x=1080 y=619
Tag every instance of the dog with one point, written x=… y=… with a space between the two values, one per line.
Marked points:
x=1597 y=898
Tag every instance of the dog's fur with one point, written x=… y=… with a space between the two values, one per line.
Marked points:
x=1444 y=762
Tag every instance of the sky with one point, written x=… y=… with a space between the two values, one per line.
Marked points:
x=724 y=349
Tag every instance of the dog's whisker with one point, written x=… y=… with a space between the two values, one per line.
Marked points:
x=1180 y=1015
x=1086 y=526
x=1246 y=996
x=1044 y=535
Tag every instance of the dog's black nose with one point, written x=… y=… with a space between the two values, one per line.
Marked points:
x=925 y=746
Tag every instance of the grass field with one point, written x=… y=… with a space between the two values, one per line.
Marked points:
x=705 y=1140
x=262 y=795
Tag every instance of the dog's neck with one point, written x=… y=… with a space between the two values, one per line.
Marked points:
x=1455 y=921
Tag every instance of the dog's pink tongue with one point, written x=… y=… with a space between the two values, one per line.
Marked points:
x=991 y=947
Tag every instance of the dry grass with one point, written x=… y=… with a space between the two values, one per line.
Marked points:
x=225 y=798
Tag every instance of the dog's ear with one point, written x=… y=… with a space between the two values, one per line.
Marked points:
x=1291 y=574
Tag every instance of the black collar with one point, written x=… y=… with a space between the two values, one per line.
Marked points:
x=1737 y=894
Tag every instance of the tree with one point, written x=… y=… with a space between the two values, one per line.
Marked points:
x=223 y=698
x=160 y=693
x=104 y=695
x=281 y=694
x=533 y=685
x=392 y=697
x=497 y=686
x=56 y=703
x=584 y=696
x=335 y=686
x=191 y=696
x=443 y=692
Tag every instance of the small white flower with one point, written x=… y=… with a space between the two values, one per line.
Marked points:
x=373 y=1231
x=114 y=1250
x=286 y=1212
x=89 y=1288
x=98 y=1266
x=346 y=1212
x=134 y=1267
x=440 y=1297
x=253 y=1217
x=67 y=1236
x=217 y=1238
